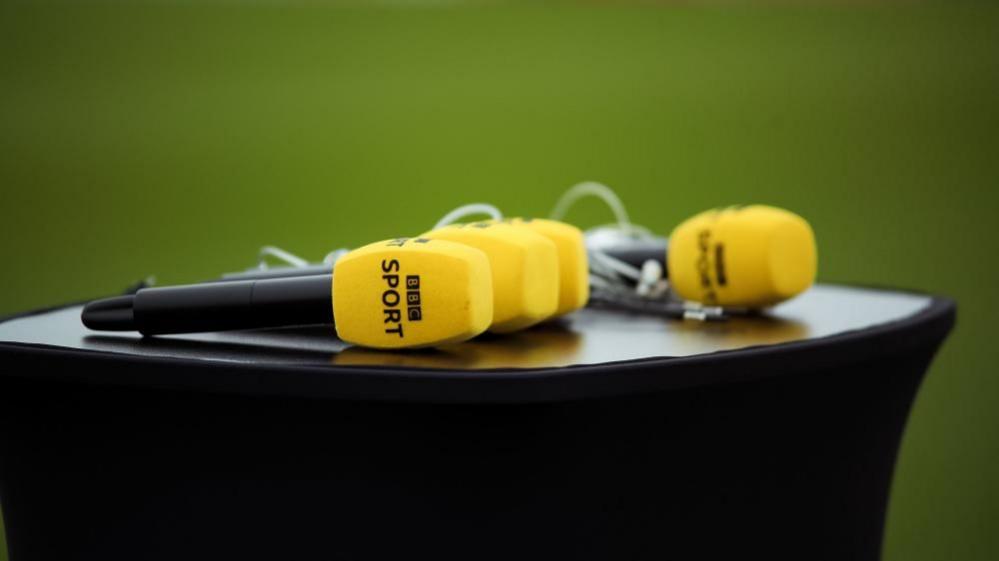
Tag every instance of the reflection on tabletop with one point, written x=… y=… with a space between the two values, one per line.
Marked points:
x=593 y=336
x=589 y=336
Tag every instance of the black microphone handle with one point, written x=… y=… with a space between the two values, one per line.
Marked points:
x=217 y=306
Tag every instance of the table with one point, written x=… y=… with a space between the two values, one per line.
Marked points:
x=601 y=436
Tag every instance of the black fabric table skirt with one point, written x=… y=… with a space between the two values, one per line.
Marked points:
x=775 y=452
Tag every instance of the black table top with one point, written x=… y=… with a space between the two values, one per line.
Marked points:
x=828 y=318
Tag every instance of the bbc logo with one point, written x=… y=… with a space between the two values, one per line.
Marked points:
x=414 y=309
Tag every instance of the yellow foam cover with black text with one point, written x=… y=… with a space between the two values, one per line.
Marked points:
x=752 y=256
x=411 y=292
x=524 y=268
x=574 y=268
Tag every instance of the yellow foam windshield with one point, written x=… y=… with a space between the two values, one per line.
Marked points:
x=574 y=269
x=753 y=256
x=412 y=292
x=524 y=270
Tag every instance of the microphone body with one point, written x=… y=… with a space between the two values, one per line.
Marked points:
x=752 y=257
x=573 y=264
x=525 y=270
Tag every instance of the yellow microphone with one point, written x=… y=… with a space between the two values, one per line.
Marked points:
x=525 y=270
x=412 y=292
x=753 y=257
x=570 y=246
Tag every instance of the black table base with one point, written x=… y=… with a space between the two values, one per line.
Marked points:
x=791 y=462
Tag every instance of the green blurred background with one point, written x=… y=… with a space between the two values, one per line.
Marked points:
x=175 y=138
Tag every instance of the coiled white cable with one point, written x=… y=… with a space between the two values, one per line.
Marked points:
x=611 y=271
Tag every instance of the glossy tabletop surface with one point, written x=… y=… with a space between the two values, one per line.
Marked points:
x=587 y=337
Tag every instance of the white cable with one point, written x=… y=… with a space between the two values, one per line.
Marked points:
x=610 y=273
x=280 y=254
x=593 y=189
x=602 y=260
x=332 y=257
x=468 y=210
x=634 y=230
